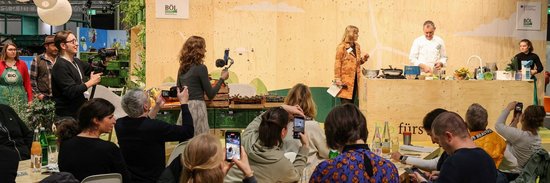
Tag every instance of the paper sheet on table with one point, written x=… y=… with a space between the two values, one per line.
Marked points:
x=333 y=90
x=417 y=148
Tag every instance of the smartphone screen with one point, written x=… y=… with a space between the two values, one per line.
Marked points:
x=519 y=107
x=232 y=145
x=226 y=55
x=299 y=125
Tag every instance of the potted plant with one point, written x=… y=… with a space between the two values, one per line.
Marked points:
x=42 y=113
x=462 y=74
x=510 y=71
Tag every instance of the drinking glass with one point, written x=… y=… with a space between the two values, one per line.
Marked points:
x=52 y=154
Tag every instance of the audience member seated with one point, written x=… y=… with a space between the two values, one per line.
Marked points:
x=525 y=141
x=483 y=137
x=300 y=95
x=203 y=160
x=262 y=141
x=427 y=165
x=346 y=130
x=83 y=153
x=142 y=137
x=466 y=161
x=15 y=143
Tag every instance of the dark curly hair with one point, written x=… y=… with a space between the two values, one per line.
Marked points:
x=345 y=124
x=533 y=117
x=192 y=53
x=66 y=129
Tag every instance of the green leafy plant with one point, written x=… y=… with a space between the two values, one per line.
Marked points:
x=134 y=15
x=513 y=65
x=41 y=114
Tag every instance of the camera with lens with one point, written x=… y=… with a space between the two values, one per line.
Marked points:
x=172 y=93
x=103 y=54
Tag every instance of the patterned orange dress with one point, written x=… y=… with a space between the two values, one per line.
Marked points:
x=347 y=67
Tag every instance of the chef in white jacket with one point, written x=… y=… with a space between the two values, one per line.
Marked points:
x=428 y=51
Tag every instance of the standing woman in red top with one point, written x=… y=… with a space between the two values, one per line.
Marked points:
x=347 y=66
x=15 y=82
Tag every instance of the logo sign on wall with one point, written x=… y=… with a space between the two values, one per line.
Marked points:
x=528 y=15
x=178 y=9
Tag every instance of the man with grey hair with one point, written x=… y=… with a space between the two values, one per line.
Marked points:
x=483 y=137
x=466 y=161
x=142 y=138
x=428 y=51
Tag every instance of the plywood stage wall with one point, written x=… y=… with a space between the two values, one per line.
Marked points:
x=287 y=42
x=294 y=41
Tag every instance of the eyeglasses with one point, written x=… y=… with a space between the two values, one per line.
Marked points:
x=71 y=41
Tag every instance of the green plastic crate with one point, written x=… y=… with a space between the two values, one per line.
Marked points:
x=224 y=119
x=211 y=117
x=240 y=118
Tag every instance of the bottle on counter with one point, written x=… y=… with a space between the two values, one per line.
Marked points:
x=386 y=144
x=377 y=141
x=36 y=152
x=44 y=145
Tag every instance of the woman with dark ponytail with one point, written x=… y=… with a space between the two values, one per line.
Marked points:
x=262 y=141
x=81 y=151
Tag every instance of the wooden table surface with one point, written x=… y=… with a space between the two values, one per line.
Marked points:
x=29 y=176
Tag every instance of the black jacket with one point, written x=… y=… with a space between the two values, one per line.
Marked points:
x=68 y=87
x=14 y=134
x=15 y=143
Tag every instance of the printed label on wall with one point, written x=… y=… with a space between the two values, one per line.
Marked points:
x=528 y=16
x=177 y=9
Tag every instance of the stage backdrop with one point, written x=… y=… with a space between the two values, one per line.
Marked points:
x=294 y=41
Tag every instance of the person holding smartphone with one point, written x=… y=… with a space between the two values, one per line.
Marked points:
x=142 y=137
x=523 y=142
x=262 y=141
x=194 y=74
x=300 y=95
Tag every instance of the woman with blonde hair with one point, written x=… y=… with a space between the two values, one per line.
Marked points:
x=300 y=95
x=347 y=67
x=203 y=161
x=194 y=74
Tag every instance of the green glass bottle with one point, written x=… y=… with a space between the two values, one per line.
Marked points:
x=44 y=145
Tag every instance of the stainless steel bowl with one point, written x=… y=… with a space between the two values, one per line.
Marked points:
x=370 y=73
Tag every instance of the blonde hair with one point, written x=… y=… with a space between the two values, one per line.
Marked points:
x=300 y=95
x=202 y=159
x=348 y=32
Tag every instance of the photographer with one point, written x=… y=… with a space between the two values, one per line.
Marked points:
x=194 y=74
x=139 y=129
x=70 y=76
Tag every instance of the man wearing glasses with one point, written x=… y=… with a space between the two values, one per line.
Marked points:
x=70 y=76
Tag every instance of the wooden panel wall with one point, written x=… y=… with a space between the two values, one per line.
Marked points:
x=286 y=42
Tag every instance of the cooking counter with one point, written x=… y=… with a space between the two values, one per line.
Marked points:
x=405 y=102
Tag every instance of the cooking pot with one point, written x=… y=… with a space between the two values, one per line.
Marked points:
x=370 y=73
x=392 y=71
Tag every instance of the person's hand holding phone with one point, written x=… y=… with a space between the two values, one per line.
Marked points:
x=304 y=139
x=511 y=106
x=242 y=164
x=183 y=95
